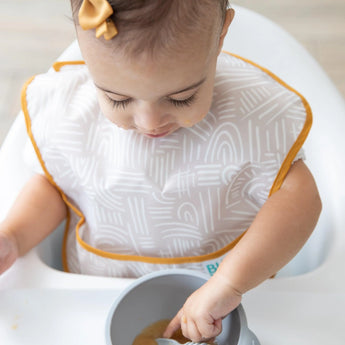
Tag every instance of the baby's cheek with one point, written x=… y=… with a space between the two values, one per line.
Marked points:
x=118 y=117
x=192 y=119
x=187 y=123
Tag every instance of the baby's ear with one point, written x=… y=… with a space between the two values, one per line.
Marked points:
x=229 y=16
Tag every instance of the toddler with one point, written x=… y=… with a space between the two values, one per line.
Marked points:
x=161 y=151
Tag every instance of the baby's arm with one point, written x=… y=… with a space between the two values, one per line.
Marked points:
x=278 y=232
x=37 y=211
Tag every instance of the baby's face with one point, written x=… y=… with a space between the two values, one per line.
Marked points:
x=152 y=97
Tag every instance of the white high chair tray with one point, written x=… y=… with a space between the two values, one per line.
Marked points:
x=304 y=306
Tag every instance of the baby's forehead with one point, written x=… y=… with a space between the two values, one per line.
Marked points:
x=97 y=52
x=142 y=76
x=163 y=27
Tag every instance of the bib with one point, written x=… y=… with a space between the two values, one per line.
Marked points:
x=139 y=204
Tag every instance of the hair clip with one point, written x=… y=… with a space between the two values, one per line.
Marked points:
x=95 y=14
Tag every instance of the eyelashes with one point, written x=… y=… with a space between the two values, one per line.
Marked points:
x=120 y=104
x=177 y=103
x=183 y=102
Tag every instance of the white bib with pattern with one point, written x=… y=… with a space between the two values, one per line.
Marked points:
x=175 y=201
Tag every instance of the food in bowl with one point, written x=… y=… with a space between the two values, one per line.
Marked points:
x=156 y=330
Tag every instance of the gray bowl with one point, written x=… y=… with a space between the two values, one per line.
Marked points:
x=160 y=295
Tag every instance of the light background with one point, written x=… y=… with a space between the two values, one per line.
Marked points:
x=34 y=32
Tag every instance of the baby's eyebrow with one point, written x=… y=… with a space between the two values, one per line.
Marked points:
x=108 y=91
x=189 y=87
x=193 y=86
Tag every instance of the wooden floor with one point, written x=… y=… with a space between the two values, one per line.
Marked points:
x=34 y=32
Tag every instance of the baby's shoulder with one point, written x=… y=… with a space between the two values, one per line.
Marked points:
x=60 y=77
x=63 y=88
x=239 y=73
x=250 y=96
x=245 y=88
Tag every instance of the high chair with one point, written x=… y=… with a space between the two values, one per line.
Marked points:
x=304 y=304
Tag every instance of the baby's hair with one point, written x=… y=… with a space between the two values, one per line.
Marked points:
x=158 y=25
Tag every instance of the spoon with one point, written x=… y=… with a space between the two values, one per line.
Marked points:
x=165 y=341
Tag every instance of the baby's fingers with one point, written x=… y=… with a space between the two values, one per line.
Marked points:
x=190 y=330
x=8 y=253
x=201 y=329
x=173 y=326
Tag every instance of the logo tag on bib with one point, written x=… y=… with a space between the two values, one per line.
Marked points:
x=211 y=266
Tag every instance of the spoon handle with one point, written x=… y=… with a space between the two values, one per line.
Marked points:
x=164 y=341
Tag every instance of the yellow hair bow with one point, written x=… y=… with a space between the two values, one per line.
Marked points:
x=95 y=14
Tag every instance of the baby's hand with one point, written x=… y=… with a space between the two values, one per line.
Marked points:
x=8 y=251
x=201 y=316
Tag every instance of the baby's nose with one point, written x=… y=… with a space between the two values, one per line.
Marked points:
x=149 y=118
